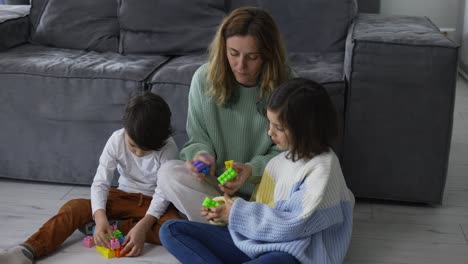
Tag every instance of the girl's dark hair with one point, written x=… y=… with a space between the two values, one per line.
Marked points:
x=306 y=111
x=147 y=121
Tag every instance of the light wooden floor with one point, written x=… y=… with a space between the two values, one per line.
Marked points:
x=383 y=233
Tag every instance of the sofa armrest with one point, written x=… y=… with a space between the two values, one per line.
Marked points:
x=392 y=30
x=401 y=74
x=14 y=25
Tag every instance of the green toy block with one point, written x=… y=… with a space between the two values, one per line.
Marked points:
x=208 y=203
x=117 y=233
x=227 y=176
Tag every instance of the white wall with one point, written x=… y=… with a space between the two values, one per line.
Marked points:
x=464 y=37
x=444 y=13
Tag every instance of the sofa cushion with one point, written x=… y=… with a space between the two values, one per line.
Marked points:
x=172 y=82
x=69 y=63
x=312 y=25
x=14 y=28
x=320 y=67
x=175 y=27
x=8 y=12
x=85 y=24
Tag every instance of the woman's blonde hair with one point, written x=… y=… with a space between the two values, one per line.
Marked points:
x=246 y=21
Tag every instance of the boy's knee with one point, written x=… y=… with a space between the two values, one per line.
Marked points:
x=77 y=204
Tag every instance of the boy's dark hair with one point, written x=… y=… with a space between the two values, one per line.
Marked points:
x=306 y=111
x=147 y=121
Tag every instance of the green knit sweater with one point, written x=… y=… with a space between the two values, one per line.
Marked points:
x=236 y=132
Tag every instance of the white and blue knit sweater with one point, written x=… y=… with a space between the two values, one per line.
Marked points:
x=303 y=208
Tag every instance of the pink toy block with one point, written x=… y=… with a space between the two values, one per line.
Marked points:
x=88 y=242
x=114 y=243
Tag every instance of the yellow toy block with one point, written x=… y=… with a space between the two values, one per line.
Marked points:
x=228 y=164
x=106 y=252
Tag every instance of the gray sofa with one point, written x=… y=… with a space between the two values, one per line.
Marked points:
x=68 y=67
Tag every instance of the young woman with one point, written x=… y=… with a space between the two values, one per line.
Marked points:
x=226 y=117
x=303 y=210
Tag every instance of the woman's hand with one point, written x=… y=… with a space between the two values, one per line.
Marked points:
x=102 y=229
x=244 y=171
x=205 y=158
x=219 y=213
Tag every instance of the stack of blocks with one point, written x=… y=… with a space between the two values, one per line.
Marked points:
x=201 y=167
x=228 y=175
x=115 y=244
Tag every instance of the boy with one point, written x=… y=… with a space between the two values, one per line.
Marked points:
x=137 y=151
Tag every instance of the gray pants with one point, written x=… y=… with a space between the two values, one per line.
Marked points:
x=184 y=190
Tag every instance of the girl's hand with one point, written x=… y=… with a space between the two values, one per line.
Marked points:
x=134 y=242
x=205 y=158
x=219 y=213
x=102 y=229
x=244 y=171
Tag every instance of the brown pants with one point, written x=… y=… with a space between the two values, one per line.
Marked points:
x=129 y=207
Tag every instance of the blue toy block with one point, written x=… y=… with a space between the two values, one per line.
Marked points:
x=202 y=167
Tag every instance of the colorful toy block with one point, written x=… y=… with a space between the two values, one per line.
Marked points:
x=209 y=203
x=106 y=252
x=114 y=243
x=118 y=252
x=117 y=233
x=88 y=241
x=227 y=176
x=228 y=164
x=202 y=167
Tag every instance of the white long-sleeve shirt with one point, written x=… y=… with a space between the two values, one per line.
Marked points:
x=137 y=174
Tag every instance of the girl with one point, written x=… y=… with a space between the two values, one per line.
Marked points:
x=303 y=210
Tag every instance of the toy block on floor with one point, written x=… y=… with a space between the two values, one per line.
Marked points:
x=106 y=252
x=88 y=241
x=227 y=176
x=114 y=243
x=118 y=252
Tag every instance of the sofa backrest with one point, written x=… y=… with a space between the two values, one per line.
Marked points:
x=168 y=27
x=179 y=27
x=83 y=24
x=35 y=12
x=308 y=25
